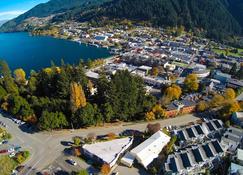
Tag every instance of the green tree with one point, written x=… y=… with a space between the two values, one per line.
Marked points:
x=85 y=116
x=82 y=172
x=52 y=120
x=107 y=112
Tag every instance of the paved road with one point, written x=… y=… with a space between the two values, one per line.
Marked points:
x=46 y=147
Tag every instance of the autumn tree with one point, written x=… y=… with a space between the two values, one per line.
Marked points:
x=173 y=92
x=228 y=109
x=216 y=101
x=202 y=106
x=77 y=97
x=105 y=169
x=149 y=116
x=155 y=71
x=111 y=136
x=19 y=75
x=158 y=111
x=191 y=83
x=229 y=94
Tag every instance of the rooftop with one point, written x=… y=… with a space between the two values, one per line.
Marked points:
x=108 y=151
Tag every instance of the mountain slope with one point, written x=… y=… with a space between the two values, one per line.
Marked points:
x=235 y=7
x=211 y=15
x=44 y=10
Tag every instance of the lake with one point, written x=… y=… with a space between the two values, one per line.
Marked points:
x=21 y=50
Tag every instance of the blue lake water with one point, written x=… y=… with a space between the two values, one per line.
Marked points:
x=21 y=50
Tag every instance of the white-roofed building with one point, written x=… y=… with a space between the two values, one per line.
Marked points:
x=107 y=152
x=147 y=151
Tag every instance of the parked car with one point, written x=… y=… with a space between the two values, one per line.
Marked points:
x=3 y=151
x=12 y=154
x=72 y=162
x=10 y=150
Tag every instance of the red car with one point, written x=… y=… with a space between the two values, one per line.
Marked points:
x=3 y=151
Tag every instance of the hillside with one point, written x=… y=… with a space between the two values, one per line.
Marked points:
x=218 y=18
x=44 y=10
x=211 y=15
x=2 y=22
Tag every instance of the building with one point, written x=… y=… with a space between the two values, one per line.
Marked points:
x=233 y=83
x=237 y=118
x=190 y=134
x=180 y=107
x=148 y=150
x=212 y=126
x=107 y=152
x=191 y=160
x=222 y=77
x=231 y=139
x=235 y=169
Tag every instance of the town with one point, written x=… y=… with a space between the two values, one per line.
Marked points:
x=195 y=127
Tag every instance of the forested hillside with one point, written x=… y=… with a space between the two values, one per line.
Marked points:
x=211 y=15
x=46 y=9
x=217 y=18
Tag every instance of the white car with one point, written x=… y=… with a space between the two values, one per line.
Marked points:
x=10 y=150
x=11 y=154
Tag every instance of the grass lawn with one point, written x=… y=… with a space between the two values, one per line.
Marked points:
x=6 y=165
x=219 y=51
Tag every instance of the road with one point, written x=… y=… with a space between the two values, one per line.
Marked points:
x=46 y=147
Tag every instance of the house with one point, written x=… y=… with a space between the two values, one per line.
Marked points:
x=233 y=83
x=148 y=150
x=239 y=98
x=237 y=118
x=240 y=156
x=191 y=133
x=231 y=139
x=235 y=169
x=211 y=127
x=222 y=77
x=180 y=107
x=192 y=159
x=107 y=152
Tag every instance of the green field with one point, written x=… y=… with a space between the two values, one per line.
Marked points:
x=6 y=165
x=220 y=51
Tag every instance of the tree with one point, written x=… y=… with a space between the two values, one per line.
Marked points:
x=155 y=71
x=107 y=112
x=153 y=128
x=173 y=92
x=229 y=94
x=85 y=116
x=229 y=109
x=158 y=111
x=127 y=96
x=240 y=72
x=233 y=70
x=19 y=75
x=202 y=106
x=52 y=120
x=82 y=172
x=105 y=169
x=191 y=83
x=149 y=116
x=77 y=97
x=76 y=141
x=216 y=101
x=3 y=93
